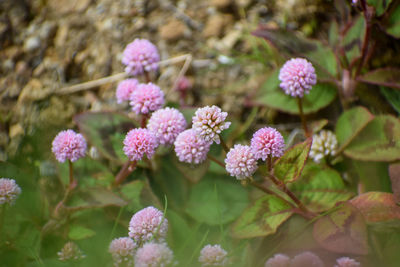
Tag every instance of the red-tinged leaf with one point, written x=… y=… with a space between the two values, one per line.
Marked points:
x=350 y=123
x=394 y=173
x=262 y=218
x=342 y=231
x=378 y=207
x=378 y=141
x=353 y=38
x=389 y=77
x=100 y=197
x=316 y=126
x=289 y=167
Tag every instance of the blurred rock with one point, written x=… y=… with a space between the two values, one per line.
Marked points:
x=221 y=4
x=68 y=6
x=173 y=30
x=215 y=25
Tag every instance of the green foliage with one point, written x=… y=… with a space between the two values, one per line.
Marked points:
x=289 y=167
x=378 y=141
x=78 y=232
x=380 y=5
x=389 y=77
x=393 y=22
x=262 y=218
x=352 y=40
x=320 y=188
x=392 y=96
x=342 y=231
x=271 y=95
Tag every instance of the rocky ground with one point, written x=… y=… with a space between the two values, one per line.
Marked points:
x=49 y=45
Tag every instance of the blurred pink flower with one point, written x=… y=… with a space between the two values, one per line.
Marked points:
x=147 y=224
x=139 y=142
x=190 y=148
x=166 y=124
x=146 y=98
x=306 y=259
x=241 y=162
x=9 y=191
x=278 y=260
x=213 y=256
x=70 y=252
x=267 y=142
x=346 y=262
x=122 y=250
x=297 y=77
x=154 y=255
x=140 y=56
x=125 y=89
x=68 y=145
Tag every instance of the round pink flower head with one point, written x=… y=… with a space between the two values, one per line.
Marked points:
x=68 y=145
x=346 y=262
x=278 y=260
x=147 y=224
x=184 y=84
x=125 y=89
x=297 y=77
x=267 y=142
x=306 y=259
x=9 y=191
x=147 y=97
x=70 y=252
x=209 y=122
x=241 y=162
x=138 y=142
x=166 y=124
x=140 y=56
x=190 y=148
x=154 y=255
x=213 y=256
x=122 y=250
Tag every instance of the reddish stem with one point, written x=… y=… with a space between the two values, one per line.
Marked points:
x=303 y=117
x=220 y=163
x=126 y=169
x=223 y=144
x=144 y=120
x=147 y=77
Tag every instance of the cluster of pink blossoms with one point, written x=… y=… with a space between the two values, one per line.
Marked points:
x=68 y=145
x=139 y=142
x=9 y=191
x=125 y=89
x=306 y=259
x=122 y=250
x=140 y=56
x=213 y=255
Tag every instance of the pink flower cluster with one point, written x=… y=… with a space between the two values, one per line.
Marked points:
x=122 y=250
x=139 y=142
x=213 y=256
x=267 y=142
x=9 y=191
x=146 y=98
x=148 y=224
x=347 y=262
x=140 y=56
x=191 y=148
x=297 y=77
x=166 y=124
x=125 y=89
x=154 y=255
x=241 y=162
x=305 y=259
x=68 y=145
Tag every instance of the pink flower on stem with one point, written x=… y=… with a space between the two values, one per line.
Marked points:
x=125 y=89
x=166 y=124
x=306 y=259
x=147 y=98
x=140 y=56
x=278 y=260
x=139 y=142
x=297 y=77
x=190 y=148
x=154 y=255
x=9 y=191
x=346 y=262
x=241 y=162
x=68 y=145
x=122 y=250
x=267 y=142
x=213 y=256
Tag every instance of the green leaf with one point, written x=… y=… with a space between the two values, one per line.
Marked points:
x=378 y=208
x=394 y=173
x=193 y=173
x=392 y=96
x=371 y=176
x=106 y=131
x=321 y=55
x=320 y=188
x=262 y=218
x=216 y=200
x=271 y=95
x=78 y=232
x=342 y=231
x=139 y=195
x=289 y=167
x=378 y=141
x=379 y=5
x=350 y=123
x=101 y=197
x=353 y=38
x=389 y=77
x=392 y=23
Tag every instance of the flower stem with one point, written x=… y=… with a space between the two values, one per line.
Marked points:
x=147 y=77
x=220 y=163
x=223 y=144
x=144 y=120
x=303 y=117
x=72 y=182
x=126 y=169
x=269 y=163
x=2 y=215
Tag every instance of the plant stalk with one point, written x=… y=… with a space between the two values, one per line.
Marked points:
x=126 y=169
x=303 y=117
x=223 y=144
x=220 y=163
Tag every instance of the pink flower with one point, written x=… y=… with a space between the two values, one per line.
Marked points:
x=190 y=148
x=209 y=122
x=184 y=84
x=154 y=255
x=346 y=262
x=213 y=256
x=278 y=260
x=306 y=259
x=146 y=98
x=140 y=56
x=148 y=223
x=267 y=141
x=9 y=191
x=241 y=162
x=122 y=250
x=125 y=89
x=166 y=124
x=139 y=142
x=69 y=145
x=297 y=77
x=70 y=252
